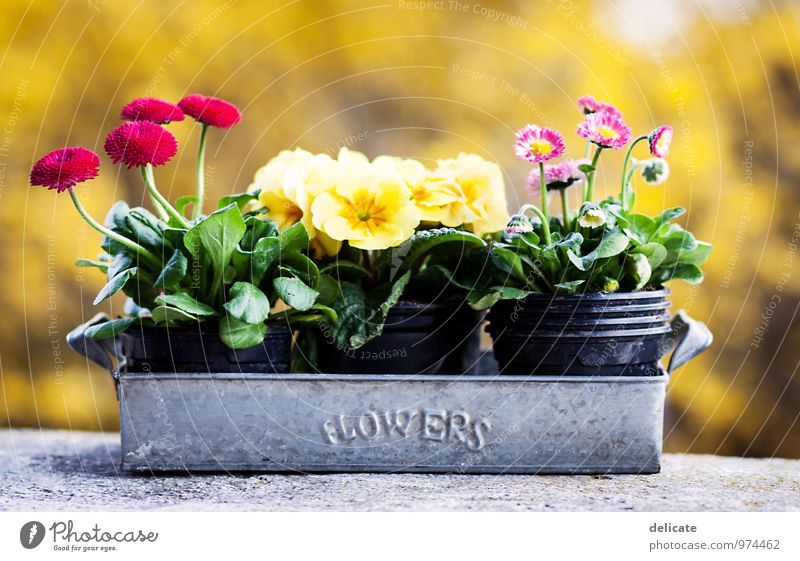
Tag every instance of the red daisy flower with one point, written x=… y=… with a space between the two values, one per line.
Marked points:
x=210 y=110
x=151 y=109
x=139 y=143
x=64 y=168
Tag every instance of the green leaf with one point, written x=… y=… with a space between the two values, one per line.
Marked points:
x=182 y=202
x=238 y=334
x=639 y=268
x=142 y=231
x=679 y=242
x=218 y=234
x=480 y=300
x=295 y=293
x=115 y=284
x=170 y=316
x=569 y=287
x=345 y=270
x=240 y=200
x=132 y=309
x=350 y=328
x=175 y=237
x=313 y=316
x=508 y=262
x=640 y=227
x=266 y=253
x=613 y=243
x=395 y=293
x=120 y=262
x=425 y=241
x=300 y=266
x=257 y=228
x=247 y=303
x=173 y=272
x=89 y=263
x=586 y=168
x=294 y=238
x=186 y=303
x=328 y=288
x=698 y=255
x=116 y=216
x=108 y=329
x=655 y=253
x=669 y=214
x=684 y=271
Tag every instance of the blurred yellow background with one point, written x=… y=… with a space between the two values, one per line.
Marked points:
x=422 y=79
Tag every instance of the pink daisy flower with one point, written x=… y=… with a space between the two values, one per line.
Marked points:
x=588 y=105
x=151 y=109
x=538 y=144
x=64 y=168
x=557 y=176
x=660 y=141
x=210 y=110
x=606 y=129
x=140 y=142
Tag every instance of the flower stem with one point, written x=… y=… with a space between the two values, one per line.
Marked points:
x=162 y=213
x=537 y=212
x=201 y=180
x=587 y=196
x=565 y=207
x=623 y=192
x=149 y=181
x=149 y=257
x=545 y=210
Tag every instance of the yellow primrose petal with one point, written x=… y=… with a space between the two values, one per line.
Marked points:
x=349 y=157
x=412 y=171
x=484 y=189
x=284 y=210
x=325 y=207
x=326 y=245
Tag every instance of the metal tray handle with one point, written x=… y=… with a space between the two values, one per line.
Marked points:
x=690 y=337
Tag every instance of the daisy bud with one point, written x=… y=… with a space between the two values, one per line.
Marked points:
x=655 y=171
x=592 y=217
x=610 y=285
x=519 y=224
x=660 y=140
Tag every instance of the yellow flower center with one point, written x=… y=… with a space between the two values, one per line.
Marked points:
x=608 y=132
x=364 y=213
x=540 y=147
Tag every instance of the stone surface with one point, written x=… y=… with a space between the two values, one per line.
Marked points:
x=59 y=470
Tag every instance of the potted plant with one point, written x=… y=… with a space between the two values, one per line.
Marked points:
x=584 y=293
x=396 y=244
x=200 y=290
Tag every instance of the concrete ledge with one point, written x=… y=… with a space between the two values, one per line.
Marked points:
x=58 y=470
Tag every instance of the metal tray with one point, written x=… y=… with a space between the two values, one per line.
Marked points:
x=387 y=423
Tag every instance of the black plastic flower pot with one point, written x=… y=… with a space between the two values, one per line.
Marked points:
x=200 y=349
x=417 y=338
x=621 y=334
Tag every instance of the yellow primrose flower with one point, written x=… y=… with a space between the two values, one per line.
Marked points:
x=439 y=199
x=370 y=207
x=481 y=182
x=288 y=184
